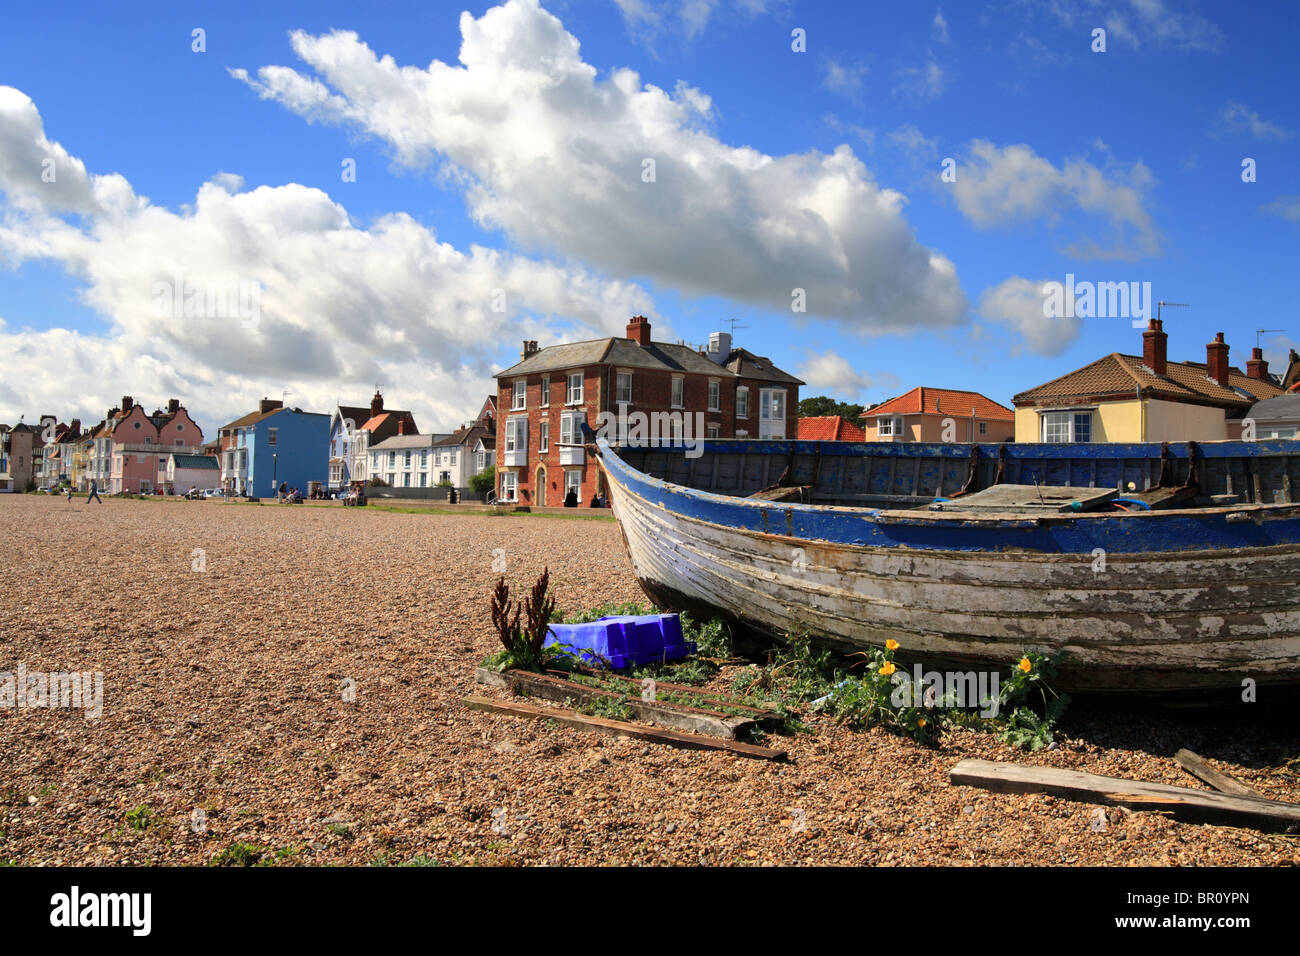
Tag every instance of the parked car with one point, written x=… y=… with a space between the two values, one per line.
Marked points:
x=213 y=493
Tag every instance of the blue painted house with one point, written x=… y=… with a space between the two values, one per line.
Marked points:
x=272 y=445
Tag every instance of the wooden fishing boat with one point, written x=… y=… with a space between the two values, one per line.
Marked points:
x=1157 y=569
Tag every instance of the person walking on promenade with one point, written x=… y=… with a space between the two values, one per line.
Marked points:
x=94 y=493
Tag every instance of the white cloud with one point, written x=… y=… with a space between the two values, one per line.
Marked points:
x=1288 y=207
x=830 y=373
x=555 y=156
x=925 y=82
x=1236 y=118
x=1018 y=305
x=843 y=78
x=1135 y=22
x=648 y=20
x=341 y=307
x=914 y=142
x=998 y=186
x=940 y=27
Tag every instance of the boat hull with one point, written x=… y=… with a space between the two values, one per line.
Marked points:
x=977 y=592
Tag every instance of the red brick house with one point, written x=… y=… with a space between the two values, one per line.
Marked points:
x=544 y=397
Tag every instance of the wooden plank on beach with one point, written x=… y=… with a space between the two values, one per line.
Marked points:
x=1182 y=802
x=619 y=728
x=667 y=713
x=1195 y=764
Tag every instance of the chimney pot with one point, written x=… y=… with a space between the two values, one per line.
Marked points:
x=1257 y=367
x=269 y=405
x=638 y=330
x=1216 y=360
x=376 y=405
x=127 y=402
x=1155 y=343
x=173 y=405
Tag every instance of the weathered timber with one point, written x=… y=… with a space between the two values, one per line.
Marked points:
x=669 y=714
x=1195 y=764
x=618 y=728
x=1034 y=498
x=777 y=493
x=1182 y=802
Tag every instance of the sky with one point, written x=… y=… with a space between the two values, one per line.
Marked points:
x=303 y=201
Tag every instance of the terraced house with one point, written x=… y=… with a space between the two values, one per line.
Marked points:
x=544 y=398
x=130 y=446
x=353 y=430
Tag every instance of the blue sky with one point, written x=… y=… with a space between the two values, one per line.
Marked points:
x=775 y=170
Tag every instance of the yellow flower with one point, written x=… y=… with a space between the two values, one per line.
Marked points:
x=921 y=722
x=891 y=645
x=888 y=668
x=1025 y=665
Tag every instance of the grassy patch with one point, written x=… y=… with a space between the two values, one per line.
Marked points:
x=239 y=854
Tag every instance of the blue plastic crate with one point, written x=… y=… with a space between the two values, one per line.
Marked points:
x=624 y=641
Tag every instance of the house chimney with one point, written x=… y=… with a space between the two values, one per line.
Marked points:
x=1257 y=367
x=269 y=405
x=719 y=347
x=173 y=406
x=405 y=426
x=127 y=402
x=1154 y=345
x=112 y=413
x=1216 y=360
x=529 y=348
x=75 y=425
x=376 y=405
x=638 y=330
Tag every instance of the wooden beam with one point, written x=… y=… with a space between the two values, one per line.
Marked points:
x=666 y=713
x=1195 y=765
x=619 y=728
x=1197 y=805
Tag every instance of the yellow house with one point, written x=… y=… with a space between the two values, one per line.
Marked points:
x=1126 y=398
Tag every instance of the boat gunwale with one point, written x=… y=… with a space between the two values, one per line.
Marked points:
x=911 y=516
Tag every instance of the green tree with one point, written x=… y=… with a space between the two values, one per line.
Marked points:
x=484 y=481
x=821 y=405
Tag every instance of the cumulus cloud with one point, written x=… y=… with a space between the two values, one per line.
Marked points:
x=559 y=158
x=251 y=292
x=1002 y=185
x=830 y=373
x=1017 y=305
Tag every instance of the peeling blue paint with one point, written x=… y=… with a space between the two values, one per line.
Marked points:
x=1141 y=532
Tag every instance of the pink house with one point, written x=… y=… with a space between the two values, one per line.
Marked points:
x=141 y=444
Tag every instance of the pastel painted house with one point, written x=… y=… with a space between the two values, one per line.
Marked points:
x=136 y=443
x=939 y=415
x=274 y=445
